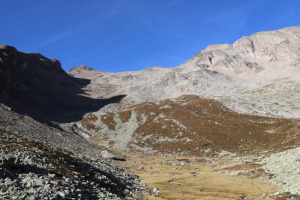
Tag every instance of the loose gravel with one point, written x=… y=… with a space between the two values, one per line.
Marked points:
x=284 y=170
x=33 y=170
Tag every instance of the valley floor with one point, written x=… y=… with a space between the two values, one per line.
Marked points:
x=203 y=178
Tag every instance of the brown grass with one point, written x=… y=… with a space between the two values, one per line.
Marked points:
x=109 y=121
x=87 y=124
x=209 y=125
x=195 y=181
x=216 y=127
x=96 y=140
x=246 y=166
x=92 y=117
x=286 y=41
x=125 y=115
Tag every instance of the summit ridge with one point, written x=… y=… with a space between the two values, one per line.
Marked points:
x=231 y=73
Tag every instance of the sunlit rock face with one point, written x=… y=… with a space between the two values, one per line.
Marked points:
x=240 y=75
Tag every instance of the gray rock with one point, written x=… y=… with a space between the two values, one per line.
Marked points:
x=106 y=154
x=155 y=192
x=62 y=194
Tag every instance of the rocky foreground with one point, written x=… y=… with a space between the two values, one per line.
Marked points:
x=285 y=170
x=33 y=170
x=38 y=161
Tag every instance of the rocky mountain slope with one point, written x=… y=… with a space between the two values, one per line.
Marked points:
x=40 y=160
x=236 y=74
x=37 y=86
x=35 y=170
x=228 y=100
x=189 y=125
x=237 y=102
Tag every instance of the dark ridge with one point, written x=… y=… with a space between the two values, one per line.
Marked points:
x=34 y=85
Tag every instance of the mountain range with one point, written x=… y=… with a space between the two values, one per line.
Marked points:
x=228 y=101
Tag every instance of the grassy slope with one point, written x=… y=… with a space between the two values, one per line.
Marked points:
x=193 y=125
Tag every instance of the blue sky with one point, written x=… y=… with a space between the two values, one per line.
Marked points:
x=127 y=35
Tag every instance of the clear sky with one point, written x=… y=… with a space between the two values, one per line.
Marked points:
x=126 y=35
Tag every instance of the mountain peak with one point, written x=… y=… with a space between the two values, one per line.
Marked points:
x=221 y=70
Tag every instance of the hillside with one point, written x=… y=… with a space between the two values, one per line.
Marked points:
x=236 y=74
x=189 y=125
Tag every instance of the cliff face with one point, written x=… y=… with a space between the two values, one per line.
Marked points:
x=20 y=71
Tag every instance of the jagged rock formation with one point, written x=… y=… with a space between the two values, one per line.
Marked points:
x=230 y=73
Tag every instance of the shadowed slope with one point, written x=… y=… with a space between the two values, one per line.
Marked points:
x=37 y=86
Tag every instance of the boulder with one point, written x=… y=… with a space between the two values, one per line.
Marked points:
x=106 y=154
